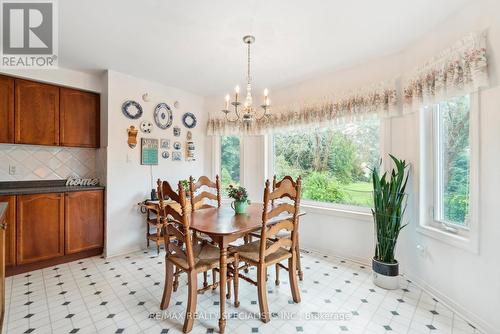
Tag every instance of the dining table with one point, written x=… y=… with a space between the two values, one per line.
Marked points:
x=224 y=226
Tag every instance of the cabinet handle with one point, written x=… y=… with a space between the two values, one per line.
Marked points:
x=3 y=226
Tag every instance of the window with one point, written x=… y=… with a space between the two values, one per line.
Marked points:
x=452 y=161
x=448 y=171
x=334 y=162
x=229 y=161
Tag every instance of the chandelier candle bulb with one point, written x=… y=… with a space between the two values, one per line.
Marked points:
x=227 y=102
x=266 y=92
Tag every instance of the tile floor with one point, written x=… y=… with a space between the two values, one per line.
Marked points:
x=122 y=294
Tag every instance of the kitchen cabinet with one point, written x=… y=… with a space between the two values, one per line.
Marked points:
x=40 y=227
x=6 y=109
x=83 y=220
x=10 y=232
x=79 y=118
x=36 y=113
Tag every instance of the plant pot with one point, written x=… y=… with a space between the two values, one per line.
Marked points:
x=239 y=206
x=385 y=275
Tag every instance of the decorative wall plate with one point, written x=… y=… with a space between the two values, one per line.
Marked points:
x=131 y=109
x=146 y=126
x=177 y=131
x=177 y=145
x=163 y=116
x=189 y=120
x=164 y=143
x=165 y=154
x=176 y=156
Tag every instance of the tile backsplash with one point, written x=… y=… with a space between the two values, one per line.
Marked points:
x=27 y=162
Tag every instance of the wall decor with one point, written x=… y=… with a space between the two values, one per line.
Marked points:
x=177 y=131
x=131 y=109
x=189 y=135
x=189 y=120
x=146 y=126
x=82 y=182
x=149 y=151
x=177 y=145
x=176 y=156
x=177 y=104
x=132 y=136
x=146 y=97
x=165 y=154
x=190 y=149
x=164 y=144
x=163 y=116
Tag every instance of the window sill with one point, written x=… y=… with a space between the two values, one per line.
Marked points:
x=469 y=244
x=357 y=213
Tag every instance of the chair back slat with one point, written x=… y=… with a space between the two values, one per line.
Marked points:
x=177 y=231
x=204 y=190
x=289 y=188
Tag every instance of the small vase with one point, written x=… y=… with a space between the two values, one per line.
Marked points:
x=239 y=206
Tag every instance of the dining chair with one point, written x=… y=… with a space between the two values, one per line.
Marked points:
x=186 y=252
x=271 y=249
x=203 y=194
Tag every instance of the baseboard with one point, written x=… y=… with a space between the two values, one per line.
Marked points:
x=469 y=316
x=124 y=252
x=360 y=260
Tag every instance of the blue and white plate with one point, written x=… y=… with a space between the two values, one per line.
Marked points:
x=189 y=120
x=131 y=109
x=163 y=116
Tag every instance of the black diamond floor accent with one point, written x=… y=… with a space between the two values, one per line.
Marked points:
x=178 y=303
x=255 y=330
x=132 y=292
x=120 y=330
x=97 y=292
x=29 y=315
x=28 y=303
x=434 y=312
x=400 y=300
x=216 y=303
x=141 y=303
x=253 y=302
x=299 y=329
x=387 y=328
x=394 y=313
x=328 y=301
x=210 y=330
x=65 y=303
x=29 y=330
x=111 y=315
x=74 y=330
x=355 y=313
x=164 y=331
x=364 y=300
x=344 y=328
x=69 y=316
x=431 y=327
x=103 y=303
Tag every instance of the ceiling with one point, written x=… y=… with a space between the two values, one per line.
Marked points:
x=196 y=45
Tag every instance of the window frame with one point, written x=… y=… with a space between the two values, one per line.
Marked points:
x=465 y=237
x=353 y=211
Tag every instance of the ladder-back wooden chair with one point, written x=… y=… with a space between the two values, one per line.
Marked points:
x=203 y=194
x=188 y=254
x=270 y=249
x=205 y=191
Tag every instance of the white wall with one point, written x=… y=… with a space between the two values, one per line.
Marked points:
x=128 y=182
x=468 y=282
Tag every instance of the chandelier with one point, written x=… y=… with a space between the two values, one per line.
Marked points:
x=246 y=113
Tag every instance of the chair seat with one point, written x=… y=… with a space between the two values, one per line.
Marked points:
x=280 y=234
x=251 y=250
x=206 y=257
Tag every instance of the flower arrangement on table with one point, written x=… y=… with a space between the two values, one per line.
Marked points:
x=240 y=196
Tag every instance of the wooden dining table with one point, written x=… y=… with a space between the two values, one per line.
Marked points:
x=223 y=226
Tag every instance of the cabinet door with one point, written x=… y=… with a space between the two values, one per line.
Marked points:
x=10 y=232
x=40 y=227
x=6 y=109
x=84 y=220
x=36 y=113
x=79 y=118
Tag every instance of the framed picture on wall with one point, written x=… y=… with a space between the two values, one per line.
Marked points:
x=149 y=151
x=164 y=144
x=176 y=156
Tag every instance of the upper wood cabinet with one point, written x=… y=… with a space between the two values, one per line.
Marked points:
x=6 y=109
x=40 y=227
x=36 y=113
x=79 y=118
x=10 y=233
x=84 y=220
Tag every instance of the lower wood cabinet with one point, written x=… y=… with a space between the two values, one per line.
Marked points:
x=40 y=227
x=10 y=232
x=83 y=220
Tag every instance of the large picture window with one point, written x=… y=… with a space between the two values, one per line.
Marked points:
x=334 y=162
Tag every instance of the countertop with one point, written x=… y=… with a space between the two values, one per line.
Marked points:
x=40 y=187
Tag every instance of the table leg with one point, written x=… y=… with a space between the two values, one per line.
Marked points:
x=222 y=286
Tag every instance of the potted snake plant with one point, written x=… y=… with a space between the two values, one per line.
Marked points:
x=389 y=206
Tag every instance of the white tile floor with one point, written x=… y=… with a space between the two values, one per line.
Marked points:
x=118 y=295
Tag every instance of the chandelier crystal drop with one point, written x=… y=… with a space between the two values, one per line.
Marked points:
x=245 y=111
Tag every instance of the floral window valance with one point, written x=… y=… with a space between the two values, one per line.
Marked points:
x=459 y=70
x=380 y=100
x=462 y=69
